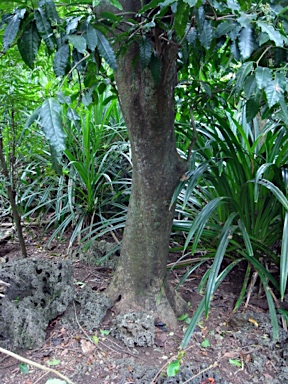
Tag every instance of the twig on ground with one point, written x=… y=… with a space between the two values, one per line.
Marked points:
x=40 y=378
x=214 y=365
x=34 y=364
x=100 y=342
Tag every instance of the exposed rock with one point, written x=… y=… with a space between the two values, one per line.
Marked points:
x=39 y=291
x=99 y=252
x=135 y=329
x=93 y=307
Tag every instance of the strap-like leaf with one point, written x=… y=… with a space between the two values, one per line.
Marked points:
x=61 y=60
x=284 y=258
x=50 y=115
x=106 y=51
x=145 y=52
x=225 y=237
x=28 y=44
x=44 y=28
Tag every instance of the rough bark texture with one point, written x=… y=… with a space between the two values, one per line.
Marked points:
x=148 y=108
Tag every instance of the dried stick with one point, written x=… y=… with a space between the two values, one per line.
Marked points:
x=30 y=362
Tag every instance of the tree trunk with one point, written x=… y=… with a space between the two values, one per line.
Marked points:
x=140 y=280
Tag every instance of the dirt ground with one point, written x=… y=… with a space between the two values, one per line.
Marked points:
x=226 y=348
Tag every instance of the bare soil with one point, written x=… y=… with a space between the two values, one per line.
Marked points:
x=226 y=348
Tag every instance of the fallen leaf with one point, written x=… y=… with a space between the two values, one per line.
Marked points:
x=87 y=347
x=160 y=339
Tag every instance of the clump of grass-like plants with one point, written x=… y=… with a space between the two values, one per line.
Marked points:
x=234 y=205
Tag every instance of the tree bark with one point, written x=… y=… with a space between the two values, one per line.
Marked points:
x=11 y=195
x=140 y=281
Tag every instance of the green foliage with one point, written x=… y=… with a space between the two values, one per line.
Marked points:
x=231 y=118
x=225 y=215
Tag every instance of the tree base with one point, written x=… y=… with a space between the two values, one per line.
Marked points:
x=164 y=306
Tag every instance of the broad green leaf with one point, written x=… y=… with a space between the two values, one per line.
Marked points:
x=116 y=4
x=173 y=368
x=242 y=74
x=273 y=93
x=51 y=11
x=224 y=28
x=284 y=111
x=252 y=108
x=44 y=28
x=191 y=3
x=79 y=42
x=273 y=34
x=106 y=51
x=71 y=24
x=61 y=60
x=205 y=34
x=91 y=37
x=28 y=44
x=145 y=52
x=250 y=86
x=33 y=117
x=281 y=80
x=284 y=258
x=263 y=77
x=191 y=35
x=50 y=117
x=55 y=160
x=246 y=43
x=72 y=115
x=233 y=5
x=235 y=50
x=12 y=28
x=245 y=19
x=62 y=98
